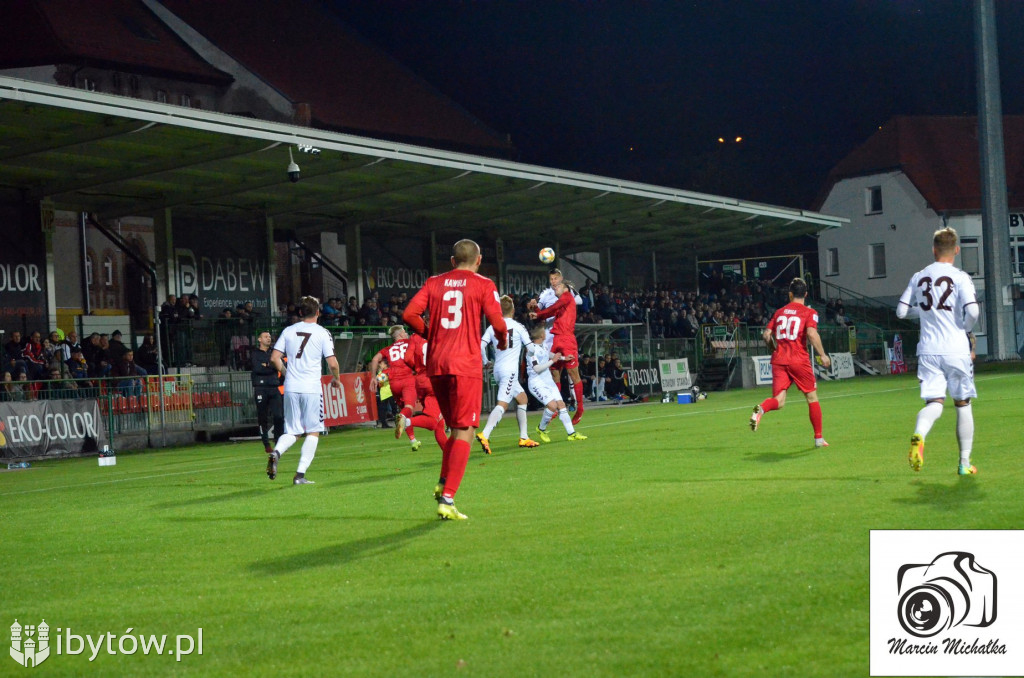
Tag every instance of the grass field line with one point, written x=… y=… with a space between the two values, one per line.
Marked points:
x=857 y=394
x=234 y=462
x=620 y=422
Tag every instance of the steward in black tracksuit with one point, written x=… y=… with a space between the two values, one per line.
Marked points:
x=269 y=402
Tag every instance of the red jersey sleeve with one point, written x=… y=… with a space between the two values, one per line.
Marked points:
x=413 y=314
x=552 y=310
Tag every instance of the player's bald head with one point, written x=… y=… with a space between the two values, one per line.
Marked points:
x=465 y=252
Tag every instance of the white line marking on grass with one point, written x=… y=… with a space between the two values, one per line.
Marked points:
x=858 y=394
x=120 y=480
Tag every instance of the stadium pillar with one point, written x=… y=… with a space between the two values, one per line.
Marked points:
x=272 y=265
x=163 y=256
x=354 y=257
x=46 y=219
x=606 y=264
x=654 y=269
x=1000 y=330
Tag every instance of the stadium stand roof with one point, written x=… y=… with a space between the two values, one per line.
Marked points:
x=35 y=33
x=939 y=155
x=118 y=156
x=350 y=85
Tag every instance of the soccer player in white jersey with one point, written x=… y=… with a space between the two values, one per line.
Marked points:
x=506 y=374
x=304 y=343
x=543 y=388
x=943 y=297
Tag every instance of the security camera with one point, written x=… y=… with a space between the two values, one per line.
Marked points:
x=293 y=168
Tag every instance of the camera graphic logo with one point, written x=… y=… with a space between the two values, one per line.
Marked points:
x=951 y=590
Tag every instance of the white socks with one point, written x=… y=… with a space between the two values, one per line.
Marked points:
x=563 y=415
x=284 y=442
x=308 y=452
x=546 y=419
x=493 y=419
x=927 y=417
x=965 y=432
x=521 y=418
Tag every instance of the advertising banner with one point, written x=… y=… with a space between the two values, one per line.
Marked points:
x=225 y=265
x=352 y=404
x=762 y=369
x=395 y=266
x=51 y=428
x=842 y=365
x=22 y=273
x=675 y=374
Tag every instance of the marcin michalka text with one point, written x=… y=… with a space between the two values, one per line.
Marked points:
x=950 y=646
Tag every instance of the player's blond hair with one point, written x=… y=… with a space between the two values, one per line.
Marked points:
x=395 y=329
x=537 y=332
x=944 y=241
x=508 y=306
x=465 y=252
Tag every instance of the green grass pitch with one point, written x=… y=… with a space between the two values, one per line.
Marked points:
x=674 y=542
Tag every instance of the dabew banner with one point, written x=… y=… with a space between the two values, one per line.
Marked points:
x=352 y=403
x=50 y=428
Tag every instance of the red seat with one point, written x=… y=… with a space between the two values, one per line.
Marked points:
x=207 y=400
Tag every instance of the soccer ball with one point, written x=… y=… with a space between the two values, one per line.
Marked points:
x=547 y=256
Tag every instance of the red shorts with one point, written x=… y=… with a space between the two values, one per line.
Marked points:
x=404 y=390
x=800 y=374
x=423 y=388
x=566 y=345
x=459 y=398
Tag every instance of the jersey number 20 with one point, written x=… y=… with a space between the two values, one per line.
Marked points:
x=787 y=327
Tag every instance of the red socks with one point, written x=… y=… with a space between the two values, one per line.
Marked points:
x=769 y=404
x=815 y=411
x=577 y=390
x=458 y=458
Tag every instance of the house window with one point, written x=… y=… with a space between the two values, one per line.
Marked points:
x=1016 y=254
x=88 y=270
x=186 y=100
x=876 y=260
x=832 y=261
x=133 y=85
x=873 y=200
x=89 y=84
x=970 y=260
x=161 y=96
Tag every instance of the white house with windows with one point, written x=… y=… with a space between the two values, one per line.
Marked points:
x=916 y=174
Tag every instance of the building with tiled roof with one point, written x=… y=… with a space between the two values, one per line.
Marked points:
x=915 y=175
x=285 y=62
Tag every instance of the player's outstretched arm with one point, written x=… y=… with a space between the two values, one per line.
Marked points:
x=332 y=365
x=275 y=360
x=413 y=314
x=815 y=339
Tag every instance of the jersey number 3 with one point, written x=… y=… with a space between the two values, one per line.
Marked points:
x=787 y=327
x=453 y=313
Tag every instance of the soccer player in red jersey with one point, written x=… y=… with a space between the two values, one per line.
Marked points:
x=456 y=302
x=564 y=342
x=790 y=329
x=428 y=415
x=400 y=376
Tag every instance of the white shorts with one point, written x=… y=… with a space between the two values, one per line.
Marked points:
x=939 y=372
x=508 y=386
x=303 y=413
x=543 y=392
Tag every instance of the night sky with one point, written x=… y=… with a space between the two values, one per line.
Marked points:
x=644 y=90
